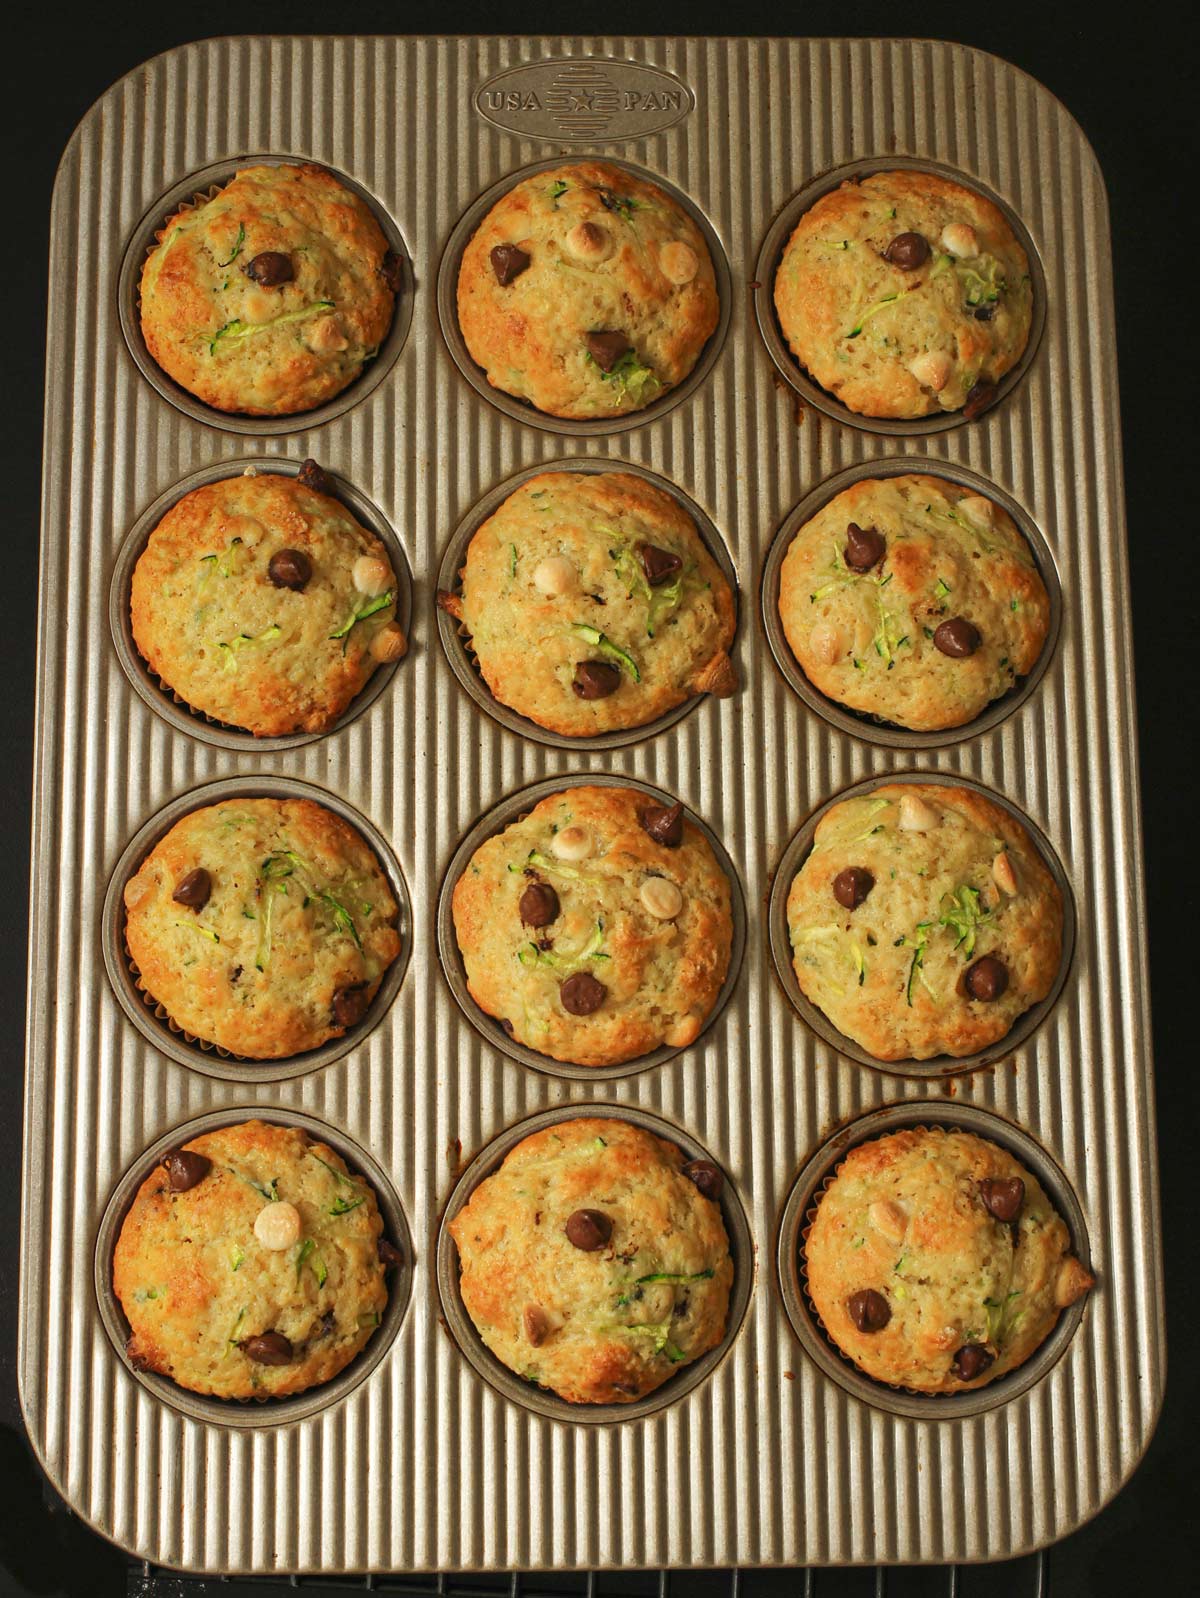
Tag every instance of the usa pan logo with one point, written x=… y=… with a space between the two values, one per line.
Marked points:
x=597 y=99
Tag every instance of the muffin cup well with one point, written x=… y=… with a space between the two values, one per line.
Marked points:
x=771 y=253
x=941 y=1065
x=197 y=189
x=857 y=723
x=504 y=814
x=152 y=1019
x=262 y=1411
x=797 y=1219
x=457 y=644
x=162 y=698
x=521 y=410
x=537 y=1399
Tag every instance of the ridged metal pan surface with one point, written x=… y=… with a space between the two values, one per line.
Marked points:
x=423 y=1464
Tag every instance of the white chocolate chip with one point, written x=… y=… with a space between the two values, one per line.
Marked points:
x=1071 y=1282
x=250 y=471
x=661 y=898
x=371 y=575
x=389 y=643
x=678 y=262
x=959 y=239
x=889 y=1219
x=325 y=336
x=1002 y=870
x=572 y=843
x=137 y=889
x=915 y=815
x=826 y=643
x=932 y=370
x=588 y=242
x=976 y=509
x=555 y=575
x=277 y=1226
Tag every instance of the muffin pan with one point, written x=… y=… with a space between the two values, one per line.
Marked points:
x=797 y=853
x=853 y=721
x=536 y=1399
x=790 y=369
x=419 y=1457
x=456 y=641
x=162 y=698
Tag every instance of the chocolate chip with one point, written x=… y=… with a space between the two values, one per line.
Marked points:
x=986 y=979
x=663 y=823
x=984 y=313
x=269 y=1348
x=582 y=994
x=537 y=1326
x=271 y=268
x=596 y=679
x=314 y=477
x=289 y=568
x=588 y=1230
x=194 y=889
x=390 y=1255
x=327 y=1323
x=865 y=547
x=868 y=1310
x=851 y=886
x=508 y=262
x=707 y=1177
x=971 y=1360
x=908 y=251
x=350 y=1004
x=539 y=905
x=658 y=564
x=606 y=349
x=980 y=398
x=957 y=638
x=507 y=1025
x=391 y=270
x=185 y=1169
x=1002 y=1196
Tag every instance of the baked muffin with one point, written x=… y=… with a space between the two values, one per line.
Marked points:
x=261 y=602
x=250 y=1264
x=936 y=1261
x=586 y=291
x=593 y=1264
x=263 y=926
x=914 y=600
x=904 y=294
x=592 y=604
x=596 y=928
x=270 y=297
x=924 y=921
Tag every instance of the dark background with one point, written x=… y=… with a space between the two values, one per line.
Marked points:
x=1124 y=81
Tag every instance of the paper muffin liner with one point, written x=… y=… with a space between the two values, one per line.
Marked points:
x=1025 y=1025
x=797 y=377
x=153 y=1018
x=507 y=814
x=161 y=695
x=986 y=1392
x=457 y=641
x=543 y=1401
x=266 y=1409
x=860 y=724
x=189 y=195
